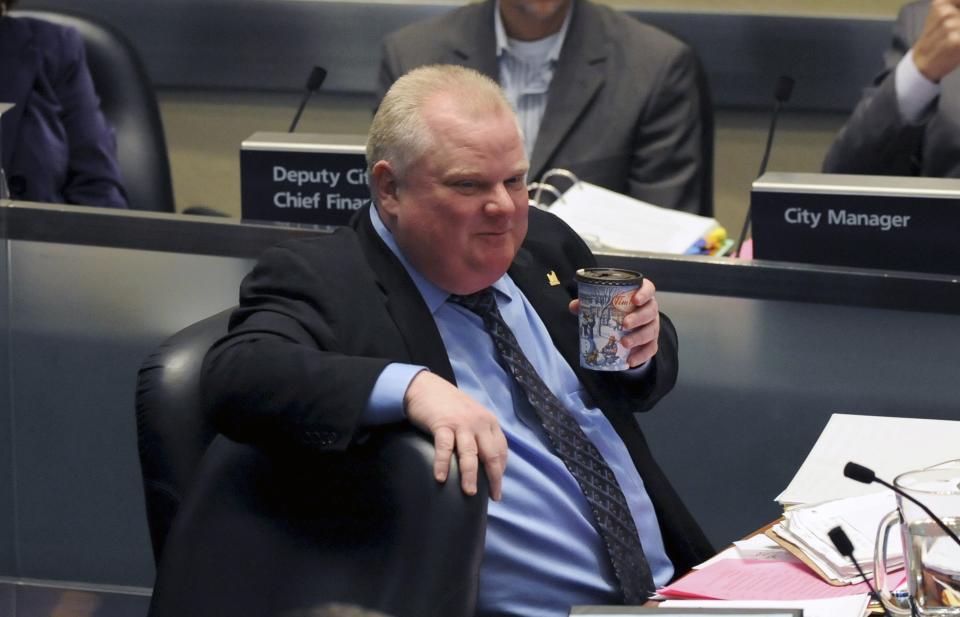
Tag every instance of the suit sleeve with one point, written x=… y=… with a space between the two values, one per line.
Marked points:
x=284 y=376
x=662 y=376
x=93 y=176
x=667 y=167
x=876 y=140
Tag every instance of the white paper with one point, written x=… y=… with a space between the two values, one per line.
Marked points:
x=889 y=446
x=728 y=553
x=609 y=220
x=762 y=548
x=847 y=606
x=758 y=547
x=807 y=527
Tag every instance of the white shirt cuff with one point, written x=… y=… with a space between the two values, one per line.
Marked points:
x=915 y=93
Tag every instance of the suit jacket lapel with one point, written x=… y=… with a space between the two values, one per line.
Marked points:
x=404 y=302
x=551 y=302
x=579 y=75
x=474 y=45
x=19 y=63
x=552 y=305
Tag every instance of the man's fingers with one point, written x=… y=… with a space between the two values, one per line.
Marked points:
x=493 y=453
x=639 y=355
x=467 y=457
x=641 y=336
x=641 y=316
x=443 y=444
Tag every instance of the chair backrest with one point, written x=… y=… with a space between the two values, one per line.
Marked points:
x=240 y=531
x=172 y=430
x=130 y=106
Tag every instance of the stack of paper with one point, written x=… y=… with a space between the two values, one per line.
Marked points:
x=610 y=221
x=889 y=446
x=804 y=530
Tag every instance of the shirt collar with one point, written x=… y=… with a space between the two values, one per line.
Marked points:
x=433 y=296
x=503 y=42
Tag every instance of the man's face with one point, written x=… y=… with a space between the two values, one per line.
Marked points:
x=459 y=213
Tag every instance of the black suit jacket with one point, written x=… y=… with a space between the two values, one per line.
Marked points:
x=319 y=320
x=625 y=108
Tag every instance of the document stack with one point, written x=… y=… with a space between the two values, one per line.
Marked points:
x=803 y=531
x=611 y=222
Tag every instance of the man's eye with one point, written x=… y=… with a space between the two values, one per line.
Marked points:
x=468 y=185
x=514 y=181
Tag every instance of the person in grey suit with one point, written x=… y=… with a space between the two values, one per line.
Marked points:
x=908 y=122
x=613 y=100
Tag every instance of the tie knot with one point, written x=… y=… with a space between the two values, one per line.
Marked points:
x=480 y=302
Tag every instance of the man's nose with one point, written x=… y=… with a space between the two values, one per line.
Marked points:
x=501 y=201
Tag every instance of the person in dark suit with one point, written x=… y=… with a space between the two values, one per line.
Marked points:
x=370 y=325
x=57 y=146
x=908 y=122
x=613 y=100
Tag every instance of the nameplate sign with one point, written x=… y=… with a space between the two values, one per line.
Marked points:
x=885 y=222
x=303 y=178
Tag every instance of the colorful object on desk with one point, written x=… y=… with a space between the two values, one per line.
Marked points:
x=714 y=243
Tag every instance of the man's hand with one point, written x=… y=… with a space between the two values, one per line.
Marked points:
x=642 y=324
x=937 y=52
x=457 y=422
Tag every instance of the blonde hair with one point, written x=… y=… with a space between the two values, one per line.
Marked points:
x=399 y=133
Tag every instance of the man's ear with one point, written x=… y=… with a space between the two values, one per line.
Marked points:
x=386 y=189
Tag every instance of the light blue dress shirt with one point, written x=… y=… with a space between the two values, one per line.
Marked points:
x=543 y=553
x=526 y=70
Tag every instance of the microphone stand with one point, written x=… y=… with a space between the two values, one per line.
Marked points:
x=781 y=95
x=845 y=547
x=314 y=81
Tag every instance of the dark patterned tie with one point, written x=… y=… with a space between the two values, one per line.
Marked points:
x=596 y=479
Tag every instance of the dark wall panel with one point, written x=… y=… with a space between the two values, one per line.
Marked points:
x=257 y=44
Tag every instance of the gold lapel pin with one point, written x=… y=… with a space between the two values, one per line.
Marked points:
x=552 y=278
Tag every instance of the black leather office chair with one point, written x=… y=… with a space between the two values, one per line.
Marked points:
x=238 y=531
x=130 y=105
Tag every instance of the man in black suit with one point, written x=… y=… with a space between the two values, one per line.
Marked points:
x=908 y=122
x=370 y=325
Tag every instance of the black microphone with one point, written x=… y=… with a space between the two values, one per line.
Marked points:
x=867 y=476
x=781 y=94
x=845 y=548
x=317 y=75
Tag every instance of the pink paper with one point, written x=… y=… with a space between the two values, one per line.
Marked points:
x=735 y=579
